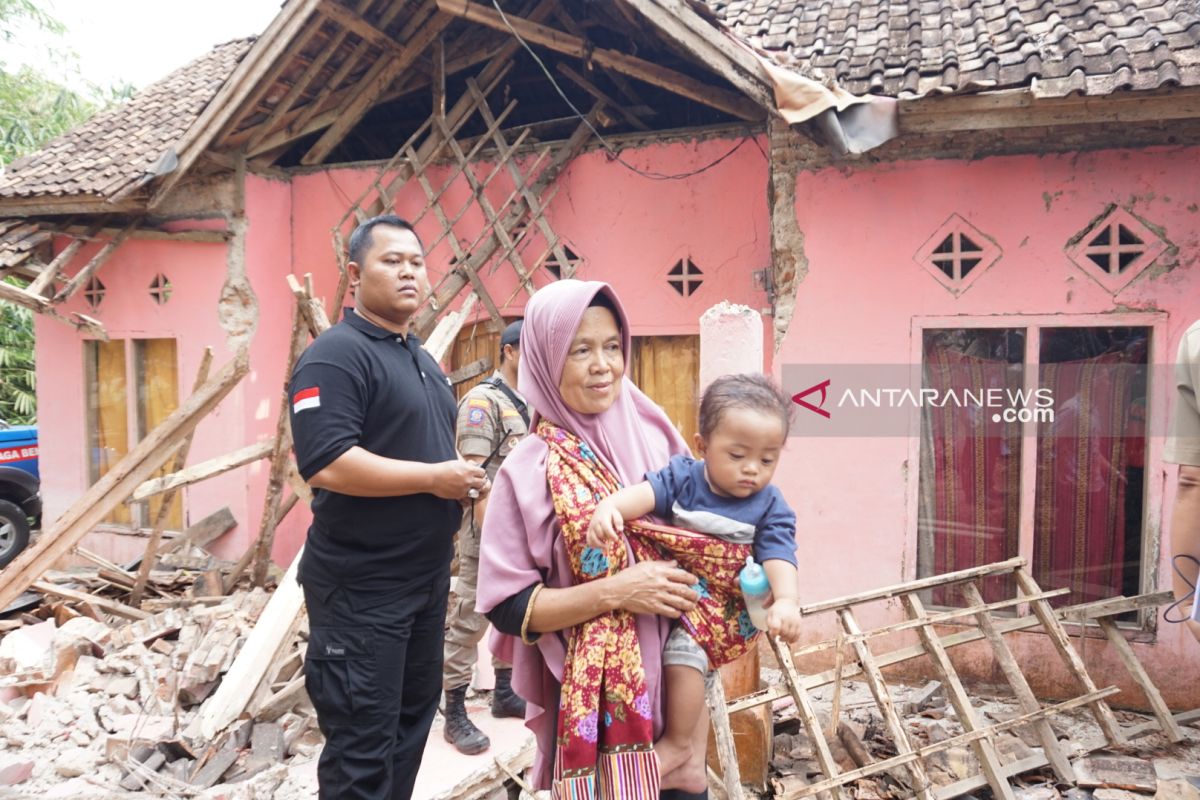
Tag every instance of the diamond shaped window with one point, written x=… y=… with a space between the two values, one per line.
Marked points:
x=957 y=254
x=160 y=288
x=685 y=277
x=1115 y=249
x=93 y=292
x=559 y=268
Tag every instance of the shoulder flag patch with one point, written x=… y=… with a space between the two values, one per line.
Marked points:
x=306 y=398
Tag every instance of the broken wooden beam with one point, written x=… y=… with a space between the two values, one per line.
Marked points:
x=119 y=482
x=676 y=82
x=204 y=470
x=164 y=505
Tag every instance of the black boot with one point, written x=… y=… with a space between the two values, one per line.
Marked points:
x=459 y=730
x=505 y=702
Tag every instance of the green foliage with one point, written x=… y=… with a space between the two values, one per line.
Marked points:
x=35 y=109
x=18 y=399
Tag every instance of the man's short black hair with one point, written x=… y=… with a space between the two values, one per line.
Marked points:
x=362 y=240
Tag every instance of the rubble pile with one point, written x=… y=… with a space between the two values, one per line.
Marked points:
x=1148 y=767
x=94 y=701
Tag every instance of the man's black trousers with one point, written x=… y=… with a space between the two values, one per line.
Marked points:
x=374 y=674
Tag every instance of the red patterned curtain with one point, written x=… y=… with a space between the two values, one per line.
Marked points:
x=974 y=505
x=1079 y=516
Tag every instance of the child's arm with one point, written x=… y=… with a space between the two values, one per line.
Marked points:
x=611 y=512
x=783 y=615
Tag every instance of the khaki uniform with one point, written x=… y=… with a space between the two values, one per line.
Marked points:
x=485 y=417
x=1183 y=443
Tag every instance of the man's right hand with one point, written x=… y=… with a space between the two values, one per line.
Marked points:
x=453 y=480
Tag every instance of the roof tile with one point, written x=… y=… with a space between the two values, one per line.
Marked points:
x=1086 y=46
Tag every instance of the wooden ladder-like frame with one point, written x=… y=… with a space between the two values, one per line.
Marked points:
x=979 y=736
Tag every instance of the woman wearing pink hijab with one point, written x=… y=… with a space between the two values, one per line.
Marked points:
x=585 y=637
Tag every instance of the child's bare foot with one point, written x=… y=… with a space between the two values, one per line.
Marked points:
x=671 y=756
x=690 y=776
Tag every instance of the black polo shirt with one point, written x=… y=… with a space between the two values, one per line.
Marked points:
x=359 y=384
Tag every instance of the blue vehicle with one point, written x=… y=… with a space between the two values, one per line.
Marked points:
x=20 y=488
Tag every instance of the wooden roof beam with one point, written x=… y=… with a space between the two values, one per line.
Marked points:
x=712 y=48
x=354 y=23
x=243 y=82
x=318 y=103
x=374 y=84
x=599 y=94
x=264 y=128
x=565 y=43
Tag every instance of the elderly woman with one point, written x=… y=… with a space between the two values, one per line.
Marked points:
x=569 y=621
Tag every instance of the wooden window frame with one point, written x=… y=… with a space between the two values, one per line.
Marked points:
x=1157 y=395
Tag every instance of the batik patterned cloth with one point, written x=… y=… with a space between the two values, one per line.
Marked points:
x=605 y=734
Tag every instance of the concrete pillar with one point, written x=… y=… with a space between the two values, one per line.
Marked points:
x=731 y=341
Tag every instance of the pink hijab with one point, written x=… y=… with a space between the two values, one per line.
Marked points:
x=521 y=543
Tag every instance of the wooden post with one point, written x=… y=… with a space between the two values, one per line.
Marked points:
x=1161 y=712
x=808 y=716
x=164 y=508
x=1050 y=622
x=984 y=749
x=115 y=485
x=1026 y=700
x=726 y=750
x=883 y=700
x=279 y=459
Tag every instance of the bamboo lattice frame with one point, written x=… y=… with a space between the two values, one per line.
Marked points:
x=503 y=237
x=978 y=736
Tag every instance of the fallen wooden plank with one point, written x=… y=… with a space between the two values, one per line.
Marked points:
x=119 y=482
x=165 y=503
x=102 y=603
x=261 y=647
x=203 y=471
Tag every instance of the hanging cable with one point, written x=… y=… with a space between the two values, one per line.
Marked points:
x=613 y=154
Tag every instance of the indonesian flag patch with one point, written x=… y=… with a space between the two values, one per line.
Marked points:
x=306 y=398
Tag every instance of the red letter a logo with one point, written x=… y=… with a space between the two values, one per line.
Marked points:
x=799 y=400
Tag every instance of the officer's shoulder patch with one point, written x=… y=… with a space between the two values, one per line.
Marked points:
x=478 y=402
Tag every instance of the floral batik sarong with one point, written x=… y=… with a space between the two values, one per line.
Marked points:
x=605 y=744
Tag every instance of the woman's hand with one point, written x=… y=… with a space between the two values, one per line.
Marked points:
x=655 y=587
x=605 y=526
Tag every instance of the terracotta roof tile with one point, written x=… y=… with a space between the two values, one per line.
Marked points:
x=114 y=149
x=916 y=47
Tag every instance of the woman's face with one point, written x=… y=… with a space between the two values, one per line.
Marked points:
x=591 y=377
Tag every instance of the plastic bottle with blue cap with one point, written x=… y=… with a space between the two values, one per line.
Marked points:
x=755 y=589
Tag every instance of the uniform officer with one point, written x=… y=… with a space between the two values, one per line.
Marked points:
x=492 y=418
x=373 y=422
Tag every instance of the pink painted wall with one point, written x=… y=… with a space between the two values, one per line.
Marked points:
x=197 y=272
x=862 y=302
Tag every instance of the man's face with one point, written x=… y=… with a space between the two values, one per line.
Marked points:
x=391 y=283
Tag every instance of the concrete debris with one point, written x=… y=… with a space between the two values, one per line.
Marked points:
x=863 y=738
x=1116 y=772
x=98 y=703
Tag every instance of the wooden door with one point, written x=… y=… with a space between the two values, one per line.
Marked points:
x=157 y=374
x=107 y=413
x=667 y=368
x=475 y=342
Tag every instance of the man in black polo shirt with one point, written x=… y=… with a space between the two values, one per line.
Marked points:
x=373 y=422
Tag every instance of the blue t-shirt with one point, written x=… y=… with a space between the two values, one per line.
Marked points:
x=682 y=494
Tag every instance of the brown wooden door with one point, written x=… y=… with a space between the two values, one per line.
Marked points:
x=475 y=341
x=667 y=368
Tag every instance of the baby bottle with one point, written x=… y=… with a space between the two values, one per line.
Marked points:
x=755 y=589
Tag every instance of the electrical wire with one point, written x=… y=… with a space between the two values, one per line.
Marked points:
x=1187 y=597
x=613 y=153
